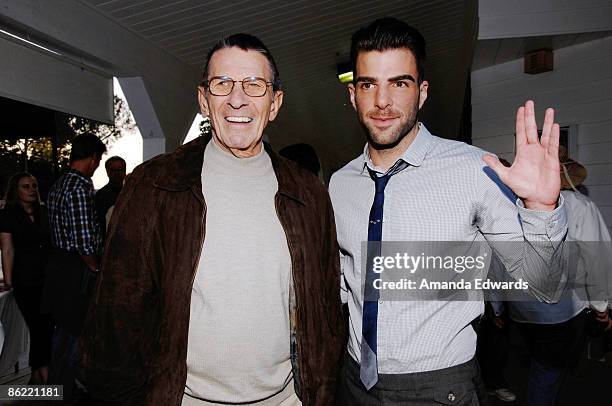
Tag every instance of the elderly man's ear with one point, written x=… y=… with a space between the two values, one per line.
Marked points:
x=277 y=102
x=202 y=101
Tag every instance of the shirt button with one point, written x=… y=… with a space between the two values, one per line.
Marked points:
x=451 y=396
x=380 y=302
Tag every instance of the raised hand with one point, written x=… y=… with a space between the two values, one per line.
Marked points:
x=534 y=174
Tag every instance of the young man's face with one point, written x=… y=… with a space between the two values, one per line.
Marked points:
x=238 y=120
x=386 y=95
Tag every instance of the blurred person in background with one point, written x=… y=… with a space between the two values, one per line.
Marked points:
x=107 y=196
x=303 y=154
x=556 y=334
x=492 y=345
x=25 y=241
x=73 y=260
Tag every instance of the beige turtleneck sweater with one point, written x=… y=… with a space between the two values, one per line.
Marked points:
x=238 y=347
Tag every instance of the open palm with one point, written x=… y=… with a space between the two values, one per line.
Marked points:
x=534 y=174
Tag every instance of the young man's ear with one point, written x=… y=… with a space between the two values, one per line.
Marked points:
x=423 y=89
x=202 y=101
x=351 y=89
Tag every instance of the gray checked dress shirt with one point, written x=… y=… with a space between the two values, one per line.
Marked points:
x=445 y=194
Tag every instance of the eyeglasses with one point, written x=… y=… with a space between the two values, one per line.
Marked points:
x=223 y=85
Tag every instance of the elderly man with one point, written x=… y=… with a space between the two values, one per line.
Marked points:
x=220 y=283
x=411 y=186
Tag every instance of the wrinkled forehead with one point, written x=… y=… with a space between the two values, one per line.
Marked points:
x=239 y=64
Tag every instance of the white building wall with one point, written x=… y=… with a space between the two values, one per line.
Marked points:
x=580 y=90
x=102 y=43
x=529 y=18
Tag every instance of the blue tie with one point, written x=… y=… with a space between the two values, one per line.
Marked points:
x=369 y=367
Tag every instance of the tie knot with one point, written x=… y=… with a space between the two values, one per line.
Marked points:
x=381 y=181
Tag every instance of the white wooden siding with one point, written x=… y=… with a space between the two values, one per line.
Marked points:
x=580 y=90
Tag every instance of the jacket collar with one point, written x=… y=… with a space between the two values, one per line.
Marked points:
x=183 y=170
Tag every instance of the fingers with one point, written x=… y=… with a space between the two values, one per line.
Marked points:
x=553 y=142
x=527 y=129
x=521 y=138
x=498 y=167
x=531 y=127
x=549 y=120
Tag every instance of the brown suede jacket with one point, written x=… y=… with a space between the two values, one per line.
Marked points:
x=133 y=348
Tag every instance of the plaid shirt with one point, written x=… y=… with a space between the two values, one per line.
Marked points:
x=74 y=225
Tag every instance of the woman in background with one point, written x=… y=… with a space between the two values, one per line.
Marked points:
x=25 y=240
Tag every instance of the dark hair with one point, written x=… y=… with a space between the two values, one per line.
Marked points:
x=303 y=154
x=86 y=145
x=389 y=33
x=112 y=159
x=11 y=197
x=246 y=42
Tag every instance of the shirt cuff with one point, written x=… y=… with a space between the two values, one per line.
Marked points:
x=553 y=224
x=600 y=305
x=85 y=251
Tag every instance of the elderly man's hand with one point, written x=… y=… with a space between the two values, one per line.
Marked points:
x=534 y=175
x=498 y=321
x=604 y=317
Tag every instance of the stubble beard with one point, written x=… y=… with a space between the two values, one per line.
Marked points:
x=378 y=140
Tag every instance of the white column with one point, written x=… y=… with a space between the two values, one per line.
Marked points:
x=154 y=141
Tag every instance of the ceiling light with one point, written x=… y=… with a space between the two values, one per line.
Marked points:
x=345 y=72
x=346 y=77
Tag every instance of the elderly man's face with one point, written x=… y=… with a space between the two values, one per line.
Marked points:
x=238 y=120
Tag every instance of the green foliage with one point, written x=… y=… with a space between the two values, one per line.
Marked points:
x=36 y=154
x=107 y=133
x=67 y=127
x=205 y=126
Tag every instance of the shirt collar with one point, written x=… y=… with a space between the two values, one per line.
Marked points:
x=80 y=175
x=414 y=155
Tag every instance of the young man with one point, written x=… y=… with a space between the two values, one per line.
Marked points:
x=426 y=188
x=221 y=280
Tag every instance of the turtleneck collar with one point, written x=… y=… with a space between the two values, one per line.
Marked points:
x=182 y=170
x=223 y=162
